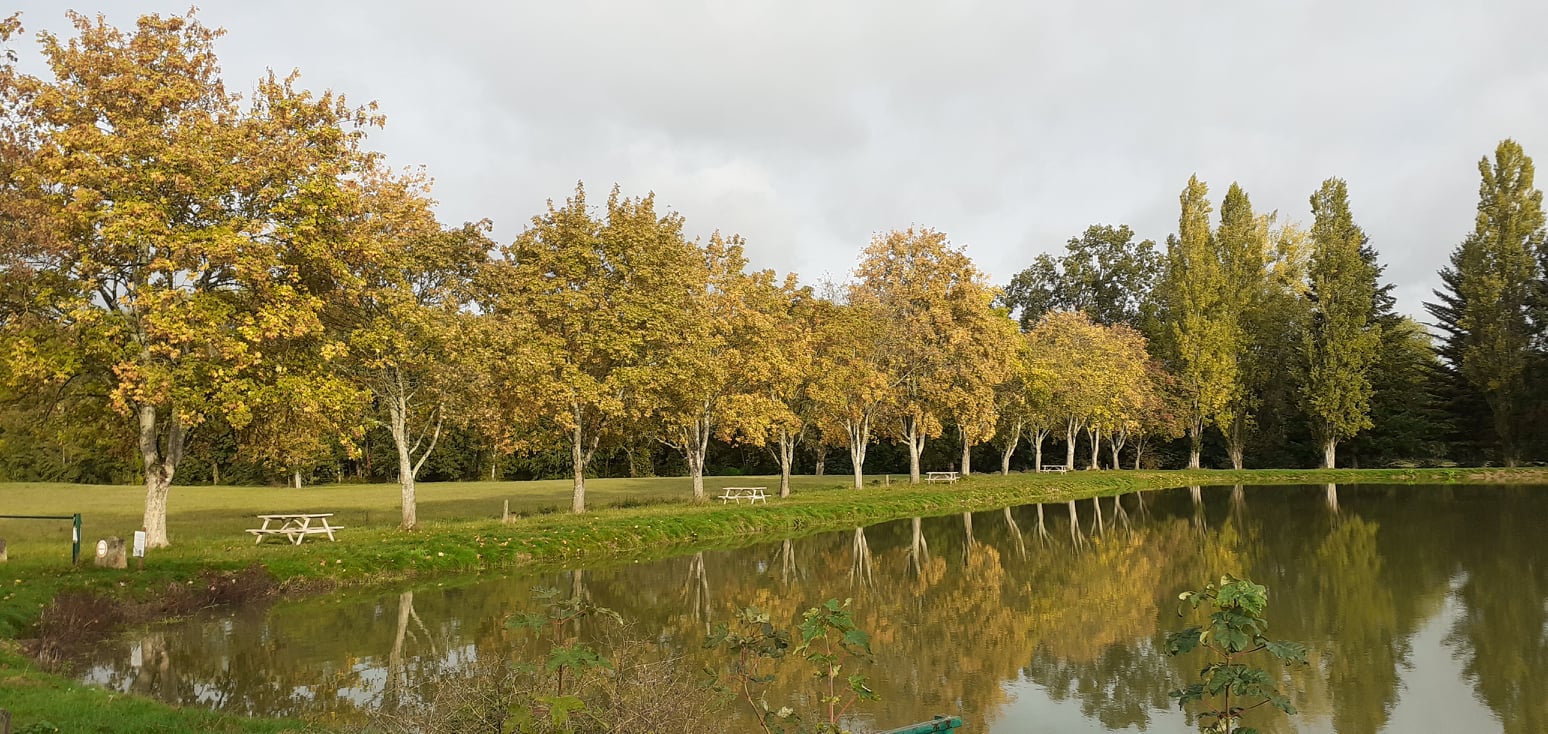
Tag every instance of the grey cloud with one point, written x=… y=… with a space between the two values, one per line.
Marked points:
x=809 y=125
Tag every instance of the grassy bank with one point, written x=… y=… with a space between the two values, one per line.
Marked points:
x=48 y=702
x=461 y=533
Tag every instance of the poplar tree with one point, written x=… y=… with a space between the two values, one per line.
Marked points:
x=1242 y=240
x=1342 y=337
x=1491 y=286
x=1199 y=336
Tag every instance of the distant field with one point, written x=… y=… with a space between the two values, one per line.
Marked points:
x=203 y=512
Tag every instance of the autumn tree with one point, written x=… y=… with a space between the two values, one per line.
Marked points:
x=189 y=237
x=1490 y=293
x=1066 y=350
x=409 y=330
x=1342 y=339
x=944 y=342
x=1127 y=390
x=780 y=410
x=1200 y=339
x=1023 y=404
x=581 y=306
x=706 y=383
x=854 y=388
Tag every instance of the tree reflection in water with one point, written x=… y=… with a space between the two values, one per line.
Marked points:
x=1077 y=622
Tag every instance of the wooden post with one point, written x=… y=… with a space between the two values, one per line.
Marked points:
x=505 y=516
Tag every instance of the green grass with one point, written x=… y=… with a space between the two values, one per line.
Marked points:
x=461 y=532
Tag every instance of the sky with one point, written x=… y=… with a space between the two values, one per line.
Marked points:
x=808 y=126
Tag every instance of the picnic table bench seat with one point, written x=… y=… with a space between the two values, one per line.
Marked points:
x=295 y=526
x=751 y=494
x=942 y=476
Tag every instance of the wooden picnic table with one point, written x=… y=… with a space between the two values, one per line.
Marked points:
x=295 y=526
x=942 y=476
x=1060 y=468
x=737 y=494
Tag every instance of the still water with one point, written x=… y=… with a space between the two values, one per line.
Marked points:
x=1425 y=609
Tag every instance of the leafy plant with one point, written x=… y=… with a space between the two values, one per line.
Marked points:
x=567 y=653
x=1236 y=629
x=829 y=642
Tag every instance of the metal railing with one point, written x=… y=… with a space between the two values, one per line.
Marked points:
x=75 y=534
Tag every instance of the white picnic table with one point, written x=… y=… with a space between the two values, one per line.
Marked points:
x=942 y=476
x=737 y=494
x=1060 y=468
x=295 y=526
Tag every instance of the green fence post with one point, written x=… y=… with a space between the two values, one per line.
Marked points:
x=75 y=543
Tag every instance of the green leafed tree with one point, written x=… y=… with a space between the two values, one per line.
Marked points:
x=1342 y=338
x=1493 y=281
x=1243 y=242
x=1200 y=338
x=1103 y=272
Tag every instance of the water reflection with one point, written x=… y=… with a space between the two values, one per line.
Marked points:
x=1395 y=590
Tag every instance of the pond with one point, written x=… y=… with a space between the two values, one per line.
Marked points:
x=1424 y=609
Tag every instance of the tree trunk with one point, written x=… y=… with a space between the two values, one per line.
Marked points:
x=820 y=453
x=578 y=461
x=215 y=474
x=1236 y=441
x=696 y=473
x=1116 y=441
x=967 y=454
x=397 y=413
x=1010 y=448
x=787 y=447
x=1094 y=434
x=915 y=441
x=1329 y=452
x=859 y=436
x=1070 y=427
x=1195 y=443
x=1037 y=453
x=160 y=463
x=408 y=468
x=295 y=478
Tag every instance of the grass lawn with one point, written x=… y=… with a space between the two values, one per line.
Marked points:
x=203 y=513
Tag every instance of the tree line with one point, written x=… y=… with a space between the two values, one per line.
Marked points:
x=194 y=278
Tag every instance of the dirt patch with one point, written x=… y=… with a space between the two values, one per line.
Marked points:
x=71 y=623
x=74 y=621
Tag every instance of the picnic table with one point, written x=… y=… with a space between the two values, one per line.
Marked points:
x=295 y=526
x=1061 y=468
x=942 y=476
x=737 y=494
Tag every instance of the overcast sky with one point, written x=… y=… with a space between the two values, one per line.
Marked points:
x=807 y=126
